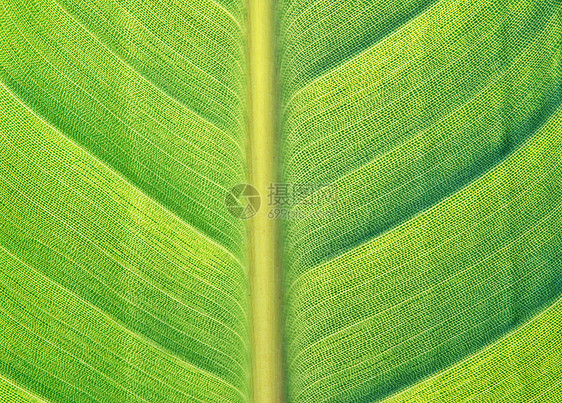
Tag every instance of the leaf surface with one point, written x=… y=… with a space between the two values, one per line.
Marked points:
x=424 y=267
x=123 y=276
x=440 y=134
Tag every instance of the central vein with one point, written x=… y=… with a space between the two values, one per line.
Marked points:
x=265 y=280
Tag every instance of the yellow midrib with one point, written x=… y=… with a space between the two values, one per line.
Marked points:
x=265 y=282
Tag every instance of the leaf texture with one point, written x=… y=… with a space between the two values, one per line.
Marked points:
x=524 y=366
x=441 y=133
x=434 y=275
x=123 y=277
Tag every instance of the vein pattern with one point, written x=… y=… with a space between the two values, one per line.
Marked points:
x=123 y=277
x=441 y=134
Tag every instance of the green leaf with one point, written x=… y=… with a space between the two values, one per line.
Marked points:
x=443 y=141
x=424 y=265
x=123 y=276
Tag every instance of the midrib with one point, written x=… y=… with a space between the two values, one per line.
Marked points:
x=264 y=277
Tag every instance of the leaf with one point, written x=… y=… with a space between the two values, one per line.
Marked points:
x=424 y=266
x=123 y=276
x=441 y=134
